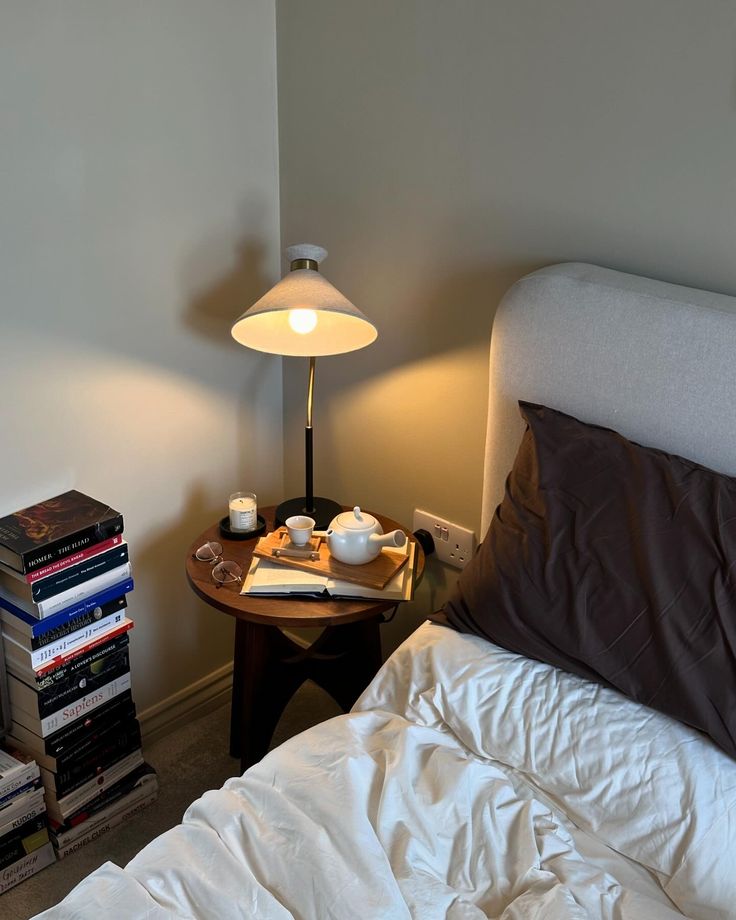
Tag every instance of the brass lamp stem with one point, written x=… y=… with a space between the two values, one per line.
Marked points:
x=308 y=445
x=310 y=392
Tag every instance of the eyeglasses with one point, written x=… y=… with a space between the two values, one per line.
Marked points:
x=223 y=571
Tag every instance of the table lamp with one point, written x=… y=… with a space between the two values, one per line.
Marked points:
x=303 y=315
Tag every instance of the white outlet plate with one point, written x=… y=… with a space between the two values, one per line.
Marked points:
x=453 y=544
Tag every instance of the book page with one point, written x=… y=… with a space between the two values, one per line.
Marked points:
x=272 y=578
x=398 y=588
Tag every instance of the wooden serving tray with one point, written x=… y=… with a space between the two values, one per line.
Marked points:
x=374 y=574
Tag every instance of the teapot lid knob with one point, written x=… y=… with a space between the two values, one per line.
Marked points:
x=356 y=512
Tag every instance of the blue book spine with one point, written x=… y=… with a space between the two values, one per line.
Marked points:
x=26 y=787
x=39 y=627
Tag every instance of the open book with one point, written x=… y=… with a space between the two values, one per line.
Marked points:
x=271 y=578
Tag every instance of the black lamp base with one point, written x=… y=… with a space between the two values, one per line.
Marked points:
x=323 y=511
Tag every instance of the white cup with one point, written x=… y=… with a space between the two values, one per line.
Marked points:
x=243 y=511
x=300 y=529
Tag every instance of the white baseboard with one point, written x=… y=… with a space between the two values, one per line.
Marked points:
x=203 y=696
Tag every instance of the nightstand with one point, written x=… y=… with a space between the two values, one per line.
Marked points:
x=268 y=666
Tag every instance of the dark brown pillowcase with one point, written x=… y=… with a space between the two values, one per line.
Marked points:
x=615 y=562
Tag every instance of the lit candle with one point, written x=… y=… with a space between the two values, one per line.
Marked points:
x=243 y=511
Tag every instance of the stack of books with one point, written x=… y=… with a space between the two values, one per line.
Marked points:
x=64 y=580
x=24 y=838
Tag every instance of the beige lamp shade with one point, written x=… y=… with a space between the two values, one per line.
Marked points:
x=304 y=315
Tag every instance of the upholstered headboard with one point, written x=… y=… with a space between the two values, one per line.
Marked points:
x=655 y=361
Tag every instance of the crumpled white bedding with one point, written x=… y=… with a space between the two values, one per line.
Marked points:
x=467 y=782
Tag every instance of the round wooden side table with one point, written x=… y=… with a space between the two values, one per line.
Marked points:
x=268 y=666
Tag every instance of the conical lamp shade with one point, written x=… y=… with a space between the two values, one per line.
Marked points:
x=269 y=324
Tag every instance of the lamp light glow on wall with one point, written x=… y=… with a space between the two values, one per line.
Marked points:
x=303 y=315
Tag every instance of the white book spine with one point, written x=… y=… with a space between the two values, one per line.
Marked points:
x=24 y=700
x=64 y=646
x=65 y=846
x=18 y=779
x=21 y=808
x=86 y=589
x=39 y=807
x=26 y=866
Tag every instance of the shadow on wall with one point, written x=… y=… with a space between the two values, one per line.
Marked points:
x=439 y=316
x=437 y=319
x=212 y=311
x=456 y=311
x=176 y=619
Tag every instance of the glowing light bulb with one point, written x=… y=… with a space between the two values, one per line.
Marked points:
x=302 y=321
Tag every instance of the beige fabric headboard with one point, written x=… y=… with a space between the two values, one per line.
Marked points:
x=655 y=361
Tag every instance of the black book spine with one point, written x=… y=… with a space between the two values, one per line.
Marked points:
x=76 y=574
x=107 y=734
x=52 y=699
x=118 y=708
x=119 y=603
x=64 y=546
x=82 y=665
x=110 y=795
x=12 y=845
x=74 y=777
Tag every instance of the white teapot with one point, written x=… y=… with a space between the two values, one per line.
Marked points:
x=355 y=537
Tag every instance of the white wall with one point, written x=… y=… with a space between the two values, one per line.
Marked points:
x=138 y=218
x=442 y=150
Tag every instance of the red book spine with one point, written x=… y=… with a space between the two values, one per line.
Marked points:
x=56 y=662
x=52 y=567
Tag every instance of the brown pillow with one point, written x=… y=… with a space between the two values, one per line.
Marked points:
x=616 y=562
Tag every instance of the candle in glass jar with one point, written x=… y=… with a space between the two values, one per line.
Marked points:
x=243 y=511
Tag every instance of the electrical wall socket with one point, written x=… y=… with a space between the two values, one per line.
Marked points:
x=453 y=544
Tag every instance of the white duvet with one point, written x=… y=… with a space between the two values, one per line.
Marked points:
x=467 y=782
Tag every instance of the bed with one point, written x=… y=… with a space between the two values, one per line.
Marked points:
x=501 y=764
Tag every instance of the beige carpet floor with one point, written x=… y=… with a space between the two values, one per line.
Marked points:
x=189 y=762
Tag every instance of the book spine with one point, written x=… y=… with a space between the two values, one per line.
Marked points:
x=65 y=846
x=29 y=826
x=14 y=615
x=91 y=663
x=69 y=561
x=75 y=775
x=91 y=618
x=58 y=549
x=77 y=574
x=25 y=840
x=19 y=779
x=62 y=808
x=51 y=723
x=119 y=709
x=139 y=777
x=21 y=809
x=51 y=699
x=82 y=591
x=117 y=733
x=34 y=664
x=26 y=867
x=31 y=786
x=113 y=716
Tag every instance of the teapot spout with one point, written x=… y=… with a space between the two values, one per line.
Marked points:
x=394 y=538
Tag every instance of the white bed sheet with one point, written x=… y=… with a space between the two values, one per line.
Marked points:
x=413 y=806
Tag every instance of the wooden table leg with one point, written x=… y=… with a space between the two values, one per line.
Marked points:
x=236 y=706
x=347 y=660
x=269 y=668
x=261 y=689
